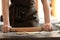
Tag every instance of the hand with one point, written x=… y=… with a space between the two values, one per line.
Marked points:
x=47 y=27
x=6 y=28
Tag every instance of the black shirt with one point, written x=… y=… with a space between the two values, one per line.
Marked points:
x=22 y=11
x=23 y=2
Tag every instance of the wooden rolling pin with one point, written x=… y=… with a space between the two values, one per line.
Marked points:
x=26 y=29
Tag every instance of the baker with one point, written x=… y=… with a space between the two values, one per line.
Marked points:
x=23 y=13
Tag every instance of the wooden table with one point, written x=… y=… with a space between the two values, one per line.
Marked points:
x=54 y=35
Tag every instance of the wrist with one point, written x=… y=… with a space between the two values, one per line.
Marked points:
x=48 y=23
x=7 y=26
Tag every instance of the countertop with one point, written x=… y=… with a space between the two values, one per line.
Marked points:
x=53 y=35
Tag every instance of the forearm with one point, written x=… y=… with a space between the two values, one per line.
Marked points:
x=36 y=5
x=5 y=10
x=46 y=11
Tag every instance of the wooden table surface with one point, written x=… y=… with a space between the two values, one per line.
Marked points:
x=31 y=36
x=54 y=35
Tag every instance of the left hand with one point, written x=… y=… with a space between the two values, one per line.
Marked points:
x=47 y=27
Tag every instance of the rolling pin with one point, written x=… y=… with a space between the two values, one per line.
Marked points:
x=26 y=29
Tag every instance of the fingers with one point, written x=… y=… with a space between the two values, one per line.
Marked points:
x=6 y=28
x=47 y=27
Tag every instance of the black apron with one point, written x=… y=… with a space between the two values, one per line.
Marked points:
x=22 y=13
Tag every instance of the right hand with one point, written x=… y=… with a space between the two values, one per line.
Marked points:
x=6 y=28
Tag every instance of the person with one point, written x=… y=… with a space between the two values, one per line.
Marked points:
x=22 y=13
